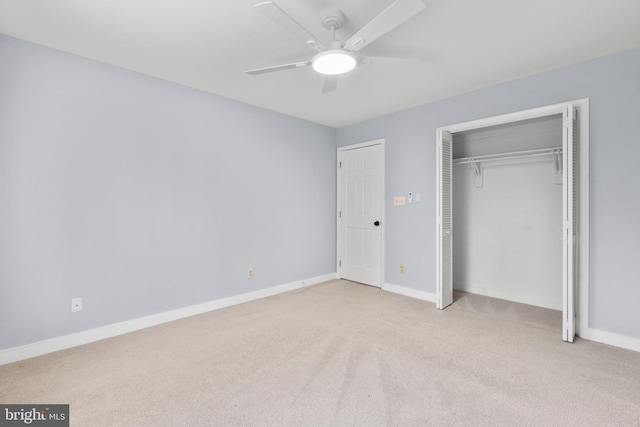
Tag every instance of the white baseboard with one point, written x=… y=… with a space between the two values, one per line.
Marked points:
x=611 y=338
x=409 y=292
x=84 y=337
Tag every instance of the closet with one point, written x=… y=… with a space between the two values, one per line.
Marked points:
x=507 y=216
x=512 y=205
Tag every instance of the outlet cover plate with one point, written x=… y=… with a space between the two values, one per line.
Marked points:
x=76 y=305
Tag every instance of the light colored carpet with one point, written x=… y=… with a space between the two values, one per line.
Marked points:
x=340 y=353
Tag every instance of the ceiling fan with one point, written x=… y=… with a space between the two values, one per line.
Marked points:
x=335 y=57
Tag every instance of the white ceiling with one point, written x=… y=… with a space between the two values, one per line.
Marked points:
x=462 y=45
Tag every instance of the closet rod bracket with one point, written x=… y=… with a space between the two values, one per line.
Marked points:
x=557 y=160
x=477 y=170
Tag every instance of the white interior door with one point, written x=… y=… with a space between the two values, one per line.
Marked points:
x=569 y=264
x=444 y=250
x=361 y=176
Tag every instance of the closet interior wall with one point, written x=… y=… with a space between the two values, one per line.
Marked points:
x=507 y=213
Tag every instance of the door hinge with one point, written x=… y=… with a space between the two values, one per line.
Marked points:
x=340 y=165
x=340 y=214
x=340 y=263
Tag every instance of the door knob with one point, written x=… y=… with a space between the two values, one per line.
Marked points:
x=377 y=223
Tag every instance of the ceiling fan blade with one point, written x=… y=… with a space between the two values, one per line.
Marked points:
x=278 y=68
x=368 y=60
x=330 y=84
x=281 y=18
x=394 y=15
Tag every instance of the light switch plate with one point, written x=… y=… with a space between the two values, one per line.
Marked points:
x=399 y=201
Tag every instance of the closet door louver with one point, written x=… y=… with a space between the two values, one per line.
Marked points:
x=444 y=239
x=569 y=264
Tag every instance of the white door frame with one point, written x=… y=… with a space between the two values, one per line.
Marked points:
x=582 y=107
x=339 y=205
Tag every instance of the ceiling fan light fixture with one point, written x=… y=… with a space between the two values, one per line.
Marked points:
x=334 y=62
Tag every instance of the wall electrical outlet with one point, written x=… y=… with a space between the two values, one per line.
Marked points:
x=76 y=305
x=401 y=268
x=399 y=201
x=250 y=273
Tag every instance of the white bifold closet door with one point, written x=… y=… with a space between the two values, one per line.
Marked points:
x=444 y=213
x=569 y=264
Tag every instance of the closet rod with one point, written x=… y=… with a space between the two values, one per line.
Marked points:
x=509 y=156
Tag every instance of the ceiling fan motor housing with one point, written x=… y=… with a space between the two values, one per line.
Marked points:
x=333 y=19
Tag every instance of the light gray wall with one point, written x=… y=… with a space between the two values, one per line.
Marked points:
x=142 y=196
x=613 y=85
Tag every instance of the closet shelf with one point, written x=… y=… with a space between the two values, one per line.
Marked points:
x=555 y=152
